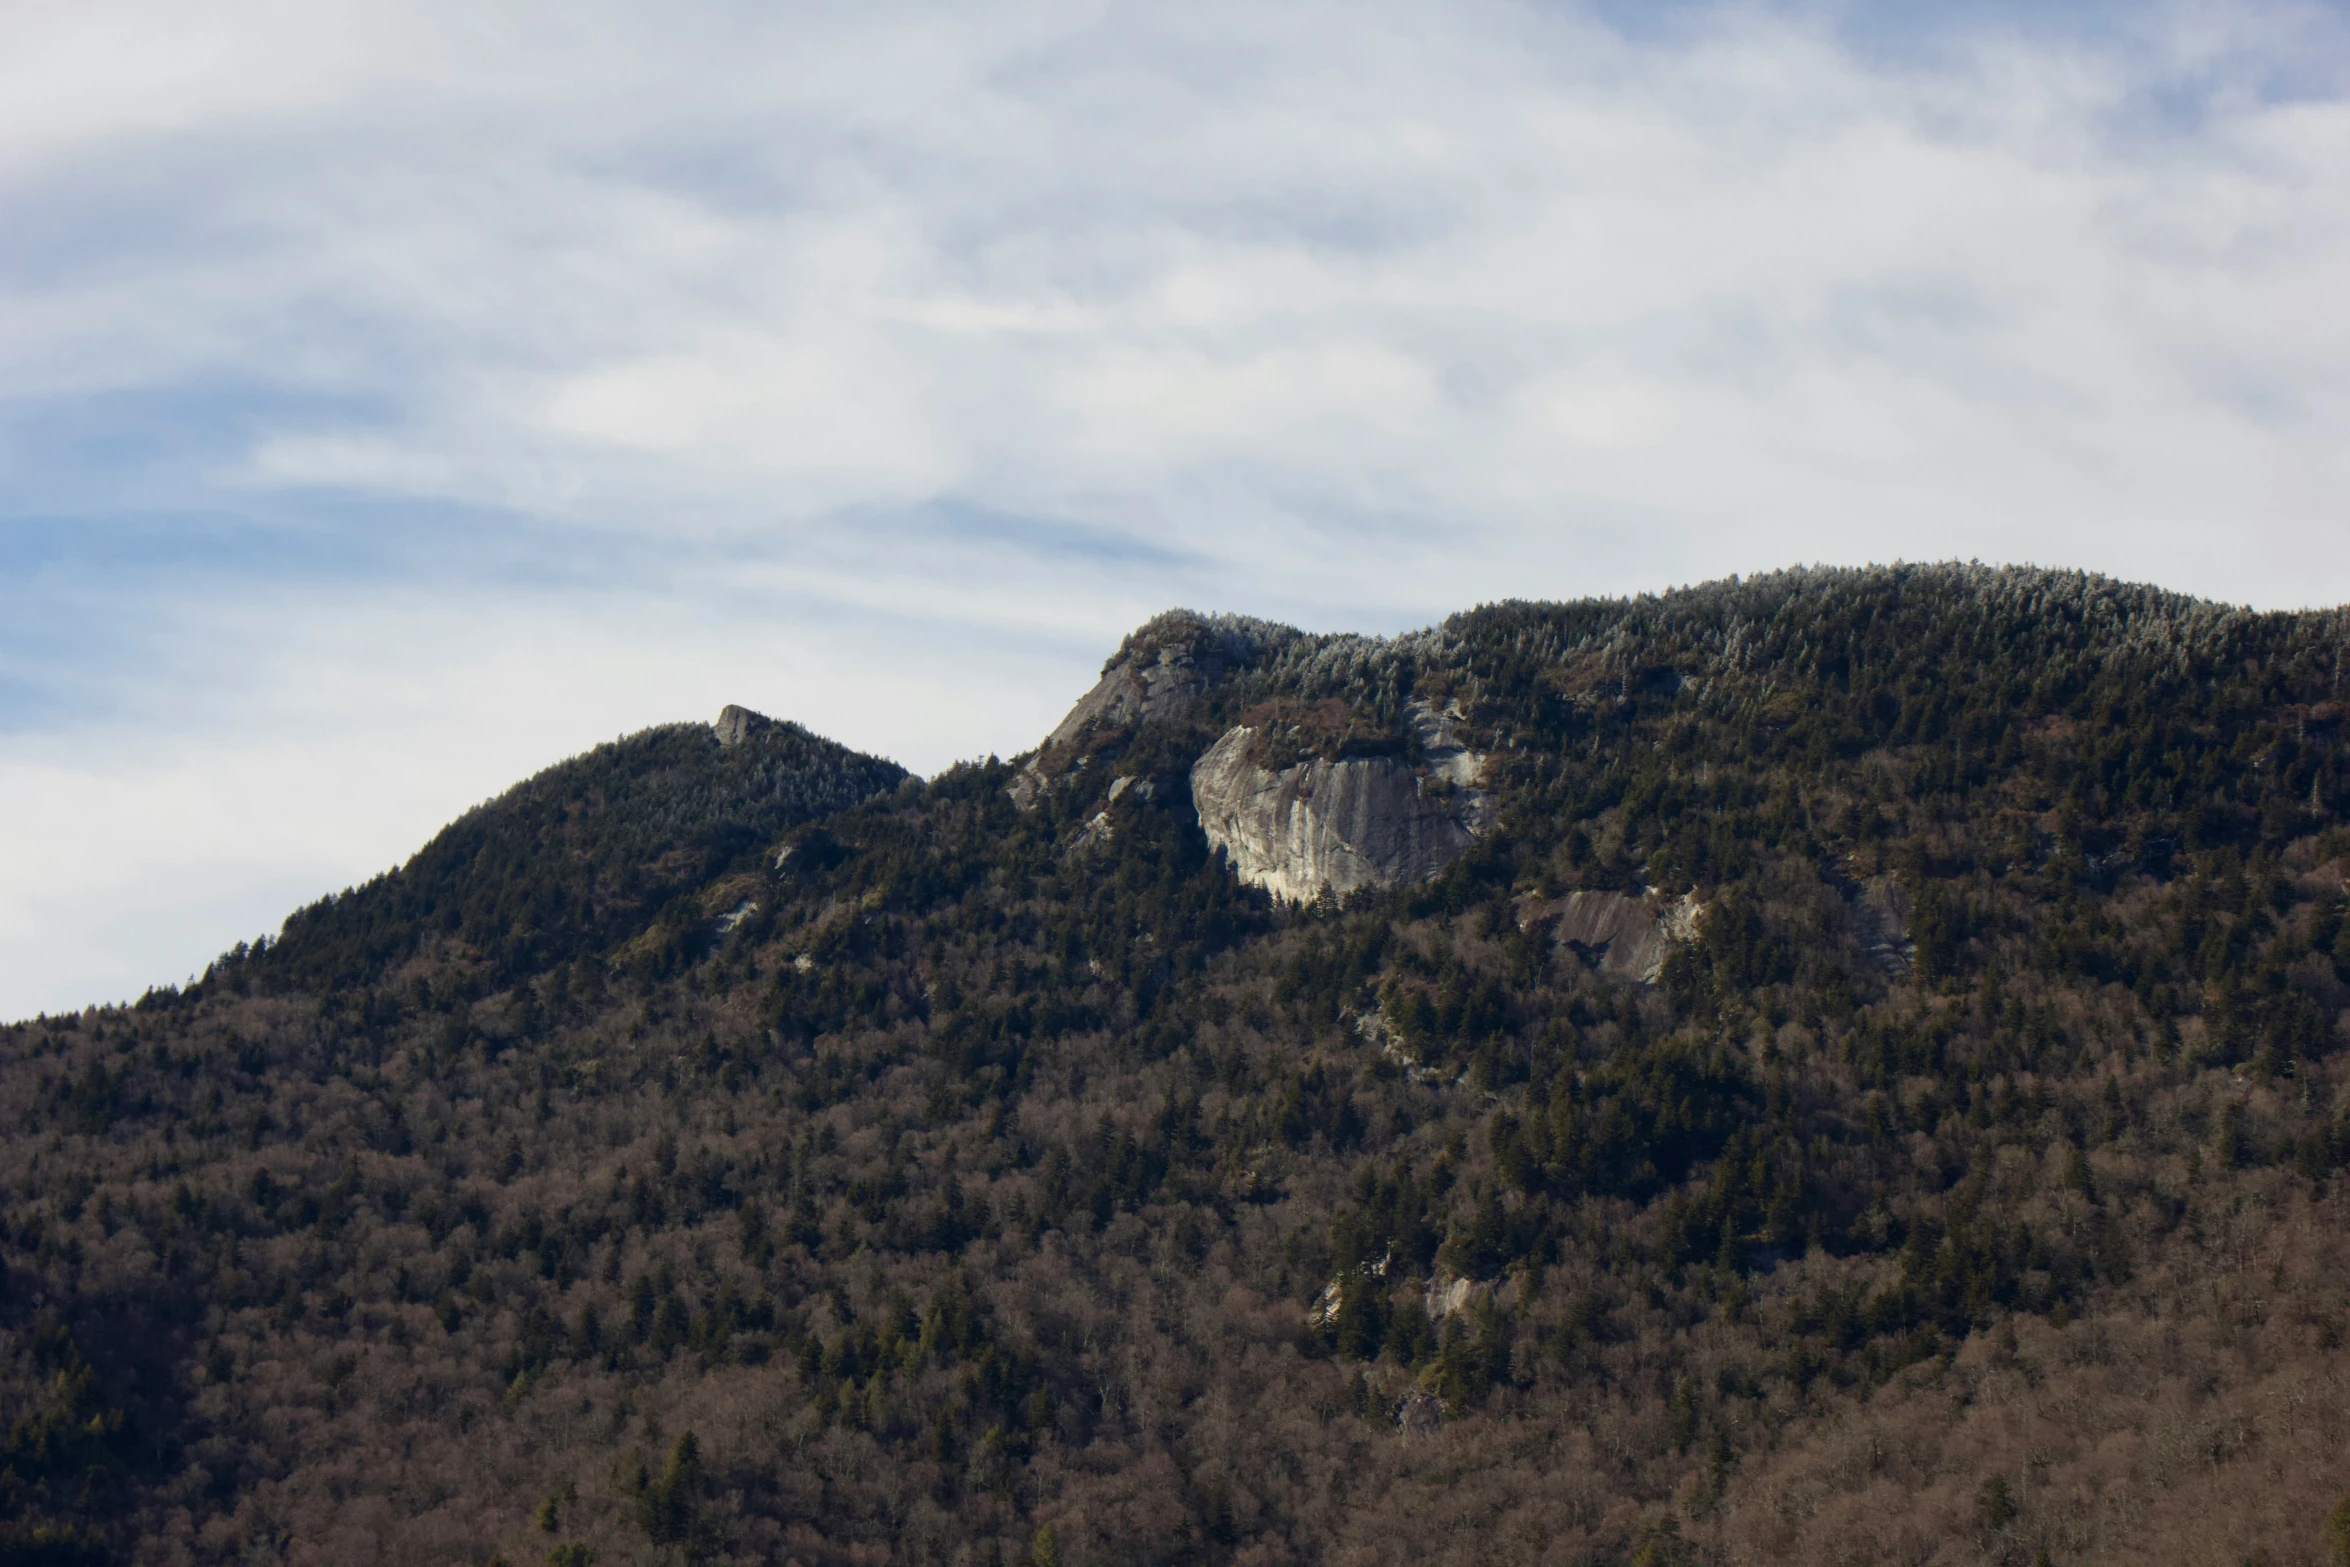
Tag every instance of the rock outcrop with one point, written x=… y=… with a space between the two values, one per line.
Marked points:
x=1617 y=934
x=1444 y=747
x=1100 y=828
x=1159 y=672
x=1446 y=1295
x=1307 y=794
x=737 y=724
x=1335 y=827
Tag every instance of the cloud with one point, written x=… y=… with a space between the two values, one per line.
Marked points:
x=462 y=385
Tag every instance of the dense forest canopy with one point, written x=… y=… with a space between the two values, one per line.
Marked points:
x=743 y=1152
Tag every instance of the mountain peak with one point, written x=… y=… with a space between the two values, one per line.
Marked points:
x=1161 y=671
x=1166 y=664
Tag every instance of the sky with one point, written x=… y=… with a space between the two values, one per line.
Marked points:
x=396 y=398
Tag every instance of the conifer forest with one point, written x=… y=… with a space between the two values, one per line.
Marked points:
x=728 y=1148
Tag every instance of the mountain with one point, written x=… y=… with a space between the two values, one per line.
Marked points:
x=1842 y=1065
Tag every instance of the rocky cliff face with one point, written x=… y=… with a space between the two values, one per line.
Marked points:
x=1309 y=793
x=737 y=724
x=1616 y=934
x=1160 y=672
x=1336 y=826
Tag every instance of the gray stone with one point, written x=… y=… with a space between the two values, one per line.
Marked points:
x=1160 y=672
x=1446 y=1295
x=1616 y=934
x=1323 y=826
x=737 y=724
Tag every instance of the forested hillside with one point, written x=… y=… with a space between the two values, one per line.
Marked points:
x=741 y=1152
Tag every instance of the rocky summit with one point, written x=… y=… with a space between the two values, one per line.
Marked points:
x=1836 y=1066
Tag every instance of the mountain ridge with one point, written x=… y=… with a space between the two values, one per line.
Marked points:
x=724 y=1147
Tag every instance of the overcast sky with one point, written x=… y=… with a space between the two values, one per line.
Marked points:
x=396 y=398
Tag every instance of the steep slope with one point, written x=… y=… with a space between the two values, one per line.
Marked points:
x=1332 y=827
x=1869 y=1087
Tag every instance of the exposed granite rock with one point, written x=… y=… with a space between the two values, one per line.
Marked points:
x=1615 y=933
x=1323 y=826
x=1097 y=831
x=737 y=724
x=1324 y=1311
x=1446 y=758
x=1446 y=1295
x=1102 y=826
x=1373 y=1026
x=1159 y=672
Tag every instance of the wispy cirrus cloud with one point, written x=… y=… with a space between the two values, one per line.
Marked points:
x=457 y=386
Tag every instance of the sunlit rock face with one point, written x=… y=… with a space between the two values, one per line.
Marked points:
x=1443 y=741
x=1629 y=937
x=1158 y=673
x=1335 y=827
